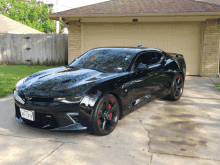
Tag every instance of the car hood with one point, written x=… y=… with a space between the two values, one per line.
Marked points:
x=63 y=81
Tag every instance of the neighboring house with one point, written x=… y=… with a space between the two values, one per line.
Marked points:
x=10 y=26
x=188 y=27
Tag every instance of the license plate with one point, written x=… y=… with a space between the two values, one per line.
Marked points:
x=27 y=114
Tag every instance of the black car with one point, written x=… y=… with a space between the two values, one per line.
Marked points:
x=98 y=88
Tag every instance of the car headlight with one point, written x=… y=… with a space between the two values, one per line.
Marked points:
x=69 y=100
x=20 y=82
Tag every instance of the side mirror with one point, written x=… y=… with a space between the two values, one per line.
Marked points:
x=141 y=67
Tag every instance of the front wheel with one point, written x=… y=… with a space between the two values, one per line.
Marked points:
x=177 y=88
x=105 y=116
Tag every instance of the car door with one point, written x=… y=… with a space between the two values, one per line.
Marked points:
x=141 y=79
x=158 y=76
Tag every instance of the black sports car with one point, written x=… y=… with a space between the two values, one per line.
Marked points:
x=98 y=88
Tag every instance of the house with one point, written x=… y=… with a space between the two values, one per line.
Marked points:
x=188 y=27
x=10 y=26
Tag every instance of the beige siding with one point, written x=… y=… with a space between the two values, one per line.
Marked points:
x=183 y=38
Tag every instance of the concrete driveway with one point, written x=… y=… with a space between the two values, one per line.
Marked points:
x=159 y=133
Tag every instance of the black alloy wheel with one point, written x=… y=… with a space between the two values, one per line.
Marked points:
x=105 y=116
x=177 y=88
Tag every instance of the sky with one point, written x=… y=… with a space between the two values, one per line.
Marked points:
x=69 y=4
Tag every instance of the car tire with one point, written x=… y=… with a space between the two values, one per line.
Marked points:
x=176 y=88
x=105 y=116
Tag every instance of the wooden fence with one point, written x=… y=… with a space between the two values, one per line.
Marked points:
x=34 y=49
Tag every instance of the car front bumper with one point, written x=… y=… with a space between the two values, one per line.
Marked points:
x=52 y=121
x=50 y=115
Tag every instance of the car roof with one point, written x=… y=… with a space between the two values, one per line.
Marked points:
x=132 y=48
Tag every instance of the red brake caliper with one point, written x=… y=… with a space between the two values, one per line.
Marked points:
x=109 y=107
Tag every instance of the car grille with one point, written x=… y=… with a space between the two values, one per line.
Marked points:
x=46 y=121
x=37 y=99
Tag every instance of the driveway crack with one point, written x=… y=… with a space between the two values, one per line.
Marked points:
x=186 y=156
x=20 y=136
x=211 y=80
x=151 y=159
x=100 y=146
x=50 y=153
x=148 y=133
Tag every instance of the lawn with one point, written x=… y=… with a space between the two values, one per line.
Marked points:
x=218 y=85
x=10 y=74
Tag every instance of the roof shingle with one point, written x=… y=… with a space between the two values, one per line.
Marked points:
x=143 y=7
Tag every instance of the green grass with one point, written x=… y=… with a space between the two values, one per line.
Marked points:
x=10 y=74
x=218 y=85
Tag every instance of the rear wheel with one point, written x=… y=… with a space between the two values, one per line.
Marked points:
x=105 y=116
x=177 y=88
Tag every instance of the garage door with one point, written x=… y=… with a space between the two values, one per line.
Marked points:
x=176 y=38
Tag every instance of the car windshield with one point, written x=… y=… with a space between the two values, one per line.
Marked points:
x=106 y=59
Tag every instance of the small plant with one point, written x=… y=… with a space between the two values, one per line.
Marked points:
x=2 y=63
x=7 y=62
x=217 y=85
x=38 y=62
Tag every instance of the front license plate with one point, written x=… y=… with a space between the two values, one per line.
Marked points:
x=27 y=114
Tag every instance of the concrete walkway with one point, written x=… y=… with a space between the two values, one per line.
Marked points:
x=159 y=133
x=215 y=79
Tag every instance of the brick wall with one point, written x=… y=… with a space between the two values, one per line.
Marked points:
x=210 y=52
x=74 y=40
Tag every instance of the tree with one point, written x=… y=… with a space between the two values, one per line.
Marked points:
x=29 y=13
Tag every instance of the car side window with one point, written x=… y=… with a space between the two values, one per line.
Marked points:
x=159 y=56
x=148 y=58
x=151 y=58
